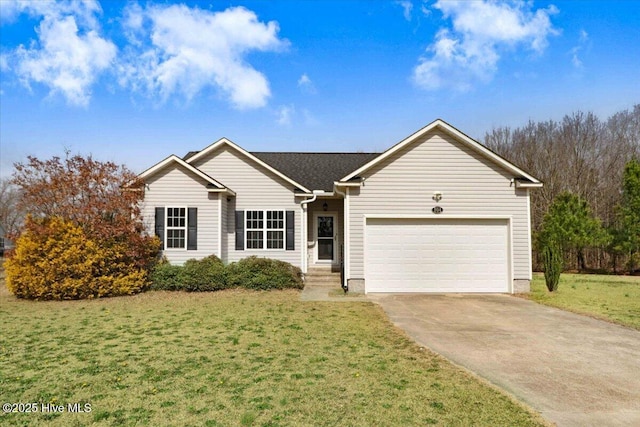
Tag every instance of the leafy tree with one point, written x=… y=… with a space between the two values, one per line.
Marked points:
x=570 y=223
x=627 y=235
x=100 y=198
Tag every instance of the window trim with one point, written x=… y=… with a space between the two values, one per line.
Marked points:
x=265 y=229
x=282 y=217
x=247 y=229
x=167 y=228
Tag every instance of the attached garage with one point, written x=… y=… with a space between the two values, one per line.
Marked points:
x=437 y=255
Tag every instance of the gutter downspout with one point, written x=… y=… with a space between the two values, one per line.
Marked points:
x=305 y=247
x=345 y=237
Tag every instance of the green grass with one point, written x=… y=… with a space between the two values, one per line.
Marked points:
x=232 y=358
x=612 y=298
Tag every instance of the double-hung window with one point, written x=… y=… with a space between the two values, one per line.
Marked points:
x=176 y=228
x=265 y=229
x=275 y=229
x=255 y=229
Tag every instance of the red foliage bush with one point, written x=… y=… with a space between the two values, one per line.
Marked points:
x=98 y=200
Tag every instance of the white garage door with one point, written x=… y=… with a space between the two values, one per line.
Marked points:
x=437 y=255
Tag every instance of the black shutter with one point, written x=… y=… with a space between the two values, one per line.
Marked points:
x=239 y=230
x=160 y=225
x=192 y=229
x=290 y=231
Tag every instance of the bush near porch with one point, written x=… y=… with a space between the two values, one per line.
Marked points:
x=264 y=274
x=210 y=274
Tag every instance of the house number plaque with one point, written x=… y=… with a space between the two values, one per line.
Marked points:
x=437 y=210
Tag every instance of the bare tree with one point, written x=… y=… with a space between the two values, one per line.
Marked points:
x=581 y=154
x=11 y=216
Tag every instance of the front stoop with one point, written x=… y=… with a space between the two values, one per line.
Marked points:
x=321 y=284
x=322 y=276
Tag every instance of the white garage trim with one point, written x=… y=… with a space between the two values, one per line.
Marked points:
x=434 y=216
x=472 y=224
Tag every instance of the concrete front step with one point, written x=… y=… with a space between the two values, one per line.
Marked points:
x=323 y=273
x=322 y=282
x=328 y=277
x=323 y=269
x=322 y=277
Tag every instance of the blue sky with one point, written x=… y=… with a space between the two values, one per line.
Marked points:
x=134 y=82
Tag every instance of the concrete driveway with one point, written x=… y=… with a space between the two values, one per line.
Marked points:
x=574 y=370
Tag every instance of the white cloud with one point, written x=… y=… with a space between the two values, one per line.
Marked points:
x=9 y=10
x=285 y=114
x=191 y=49
x=84 y=11
x=425 y=10
x=304 y=80
x=575 y=59
x=407 y=8
x=584 y=36
x=4 y=62
x=583 y=39
x=69 y=53
x=470 y=51
x=306 y=85
x=132 y=22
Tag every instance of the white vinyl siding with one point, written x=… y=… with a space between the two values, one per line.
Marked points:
x=224 y=219
x=404 y=184
x=174 y=186
x=437 y=255
x=255 y=188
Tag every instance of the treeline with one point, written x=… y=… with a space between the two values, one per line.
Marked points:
x=585 y=156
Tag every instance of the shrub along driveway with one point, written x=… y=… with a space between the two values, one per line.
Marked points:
x=575 y=370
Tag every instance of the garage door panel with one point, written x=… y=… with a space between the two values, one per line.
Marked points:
x=443 y=255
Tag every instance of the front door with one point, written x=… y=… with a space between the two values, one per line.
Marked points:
x=326 y=235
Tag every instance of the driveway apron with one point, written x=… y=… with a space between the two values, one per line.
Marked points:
x=574 y=370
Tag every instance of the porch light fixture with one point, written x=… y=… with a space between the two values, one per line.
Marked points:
x=325 y=206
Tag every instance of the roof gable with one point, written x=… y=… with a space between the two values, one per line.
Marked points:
x=193 y=157
x=459 y=136
x=177 y=160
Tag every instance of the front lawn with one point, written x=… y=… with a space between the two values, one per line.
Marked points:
x=231 y=358
x=612 y=298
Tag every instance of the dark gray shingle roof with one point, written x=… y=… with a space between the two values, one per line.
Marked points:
x=189 y=155
x=316 y=171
